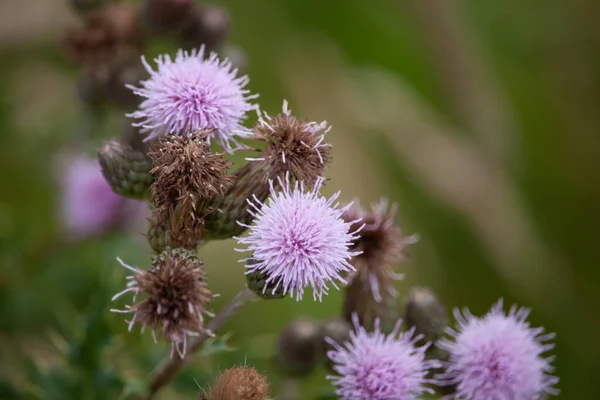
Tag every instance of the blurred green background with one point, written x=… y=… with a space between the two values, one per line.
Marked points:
x=480 y=118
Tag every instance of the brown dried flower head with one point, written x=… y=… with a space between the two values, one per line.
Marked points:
x=107 y=32
x=176 y=297
x=370 y=290
x=240 y=383
x=293 y=145
x=187 y=175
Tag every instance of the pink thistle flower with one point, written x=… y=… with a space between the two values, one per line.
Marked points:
x=192 y=93
x=498 y=357
x=89 y=207
x=376 y=366
x=299 y=239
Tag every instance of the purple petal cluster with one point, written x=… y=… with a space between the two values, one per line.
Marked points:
x=498 y=357
x=89 y=206
x=192 y=93
x=376 y=366
x=299 y=239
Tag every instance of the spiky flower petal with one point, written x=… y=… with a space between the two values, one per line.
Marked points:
x=176 y=297
x=299 y=239
x=370 y=292
x=498 y=357
x=191 y=93
x=293 y=145
x=376 y=366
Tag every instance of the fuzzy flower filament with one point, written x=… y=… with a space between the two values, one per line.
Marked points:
x=191 y=93
x=376 y=366
x=299 y=239
x=498 y=357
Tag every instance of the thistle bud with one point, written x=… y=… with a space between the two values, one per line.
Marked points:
x=125 y=169
x=240 y=383
x=294 y=148
x=208 y=25
x=299 y=347
x=164 y=16
x=338 y=330
x=424 y=311
x=175 y=294
x=257 y=282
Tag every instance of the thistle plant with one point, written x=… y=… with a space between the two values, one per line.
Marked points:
x=193 y=109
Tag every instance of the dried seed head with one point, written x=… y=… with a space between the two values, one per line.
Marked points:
x=426 y=313
x=293 y=145
x=125 y=169
x=187 y=174
x=107 y=32
x=240 y=383
x=176 y=297
x=370 y=292
x=299 y=347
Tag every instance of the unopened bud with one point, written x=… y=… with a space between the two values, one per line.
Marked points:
x=164 y=16
x=208 y=25
x=299 y=347
x=240 y=383
x=257 y=282
x=424 y=311
x=125 y=169
x=338 y=330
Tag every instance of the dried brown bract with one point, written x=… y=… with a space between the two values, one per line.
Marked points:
x=176 y=297
x=187 y=175
x=370 y=291
x=293 y=146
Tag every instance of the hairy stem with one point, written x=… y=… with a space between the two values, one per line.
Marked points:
x=170 y=367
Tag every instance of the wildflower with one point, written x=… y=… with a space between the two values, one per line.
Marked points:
x=376 y=366
x=89 y=205
x=176 y=297
x=191 y=93
x=293 y=145
x=240 y=383
x=299 y=239
x=498 y=356
x=381 y=244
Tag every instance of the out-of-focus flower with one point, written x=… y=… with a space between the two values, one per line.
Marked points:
x=192 y=93
x=376 y=366
x=299 y=347
x=207 y=24
x=370 y=292
x=176 y=297
x=107 y=33
x=497 y=357
x=165 y=16
x=299 y=239
x=426 y=313
x=239 y=383
x=89 y=206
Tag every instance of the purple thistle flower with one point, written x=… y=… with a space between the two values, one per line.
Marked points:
x=192 y=93
x=299 y=239
x=498 y=357
x=89 y=207
x=376 y=366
